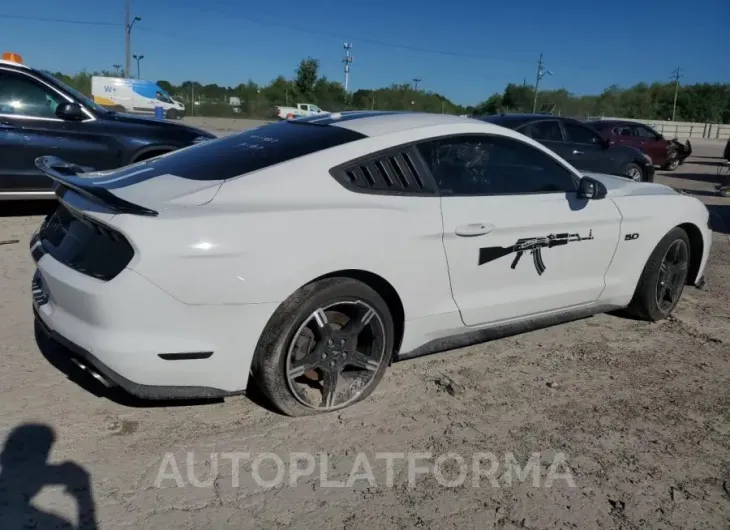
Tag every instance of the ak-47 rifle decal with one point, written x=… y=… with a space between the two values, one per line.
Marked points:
x=532 y=244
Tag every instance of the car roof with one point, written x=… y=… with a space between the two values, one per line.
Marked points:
x=513 y=121
x=13 y=63
x=376 y=123
x=611 y=122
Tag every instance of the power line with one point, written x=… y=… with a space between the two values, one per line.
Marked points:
x=676 y=74
x=59 y=20
x=301 y=29
x=308 y=30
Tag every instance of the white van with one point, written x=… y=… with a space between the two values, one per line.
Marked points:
x=135 y=96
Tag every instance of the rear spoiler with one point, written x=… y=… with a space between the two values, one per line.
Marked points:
x=65 y=175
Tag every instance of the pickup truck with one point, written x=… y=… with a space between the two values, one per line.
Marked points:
x=301 y=110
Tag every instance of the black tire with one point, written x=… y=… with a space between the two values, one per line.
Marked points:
x=171 y=114
x=672 y=166
x=269 y=366
x=645 y=305
x=632 y=168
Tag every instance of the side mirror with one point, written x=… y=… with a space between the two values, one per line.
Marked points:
x=591 y=189
x=70 y=111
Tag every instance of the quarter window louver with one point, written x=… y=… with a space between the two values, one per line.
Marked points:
x=394 y=172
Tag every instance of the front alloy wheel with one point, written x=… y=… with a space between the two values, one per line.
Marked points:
x=662 y=281
x=672 y=275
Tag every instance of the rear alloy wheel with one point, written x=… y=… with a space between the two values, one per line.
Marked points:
x=663 y=279
x=326 y=348
x=634 y=172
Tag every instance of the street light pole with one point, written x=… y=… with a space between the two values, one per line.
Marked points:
x=117 y=66
x=138 y=58
x=128 y=37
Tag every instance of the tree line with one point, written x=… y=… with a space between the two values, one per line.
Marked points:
x=701 y=102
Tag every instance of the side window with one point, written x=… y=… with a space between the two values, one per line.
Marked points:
x=580 y=135
x=623 y=130
x=492 y=165
x=22 y=96
x=645 y=132
x=543 y=131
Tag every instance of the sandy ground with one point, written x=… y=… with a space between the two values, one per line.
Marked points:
x=635 y=417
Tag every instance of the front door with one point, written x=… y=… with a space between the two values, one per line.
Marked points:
x=548 y=133
x=625 y=134
x=652 y=144
x=517 y=239
x=584 y=148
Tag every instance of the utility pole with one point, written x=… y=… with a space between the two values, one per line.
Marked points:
x=676 y=74
x=416 y=80
x=128 y=37
x=347 y=59
x=540 y=74
x=138 y=58
x=127 y=44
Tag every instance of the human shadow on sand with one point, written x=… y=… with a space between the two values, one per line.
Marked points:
x=25 y=471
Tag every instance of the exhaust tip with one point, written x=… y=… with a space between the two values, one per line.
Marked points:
x=96 y=375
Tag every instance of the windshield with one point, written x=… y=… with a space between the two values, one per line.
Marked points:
x=85 y=100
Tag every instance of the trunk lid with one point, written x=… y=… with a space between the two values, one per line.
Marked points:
x=138 y=189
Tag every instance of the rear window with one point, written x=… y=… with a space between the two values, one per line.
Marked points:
x=238 y=153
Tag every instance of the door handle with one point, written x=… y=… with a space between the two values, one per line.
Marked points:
x=474 y=229
x=577 y=152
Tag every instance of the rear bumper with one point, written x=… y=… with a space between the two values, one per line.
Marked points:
x=144 y=340
x=114 y=379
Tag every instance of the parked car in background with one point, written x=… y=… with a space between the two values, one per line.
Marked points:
x=666 y=154
x=579 y=144
x=301 y=110
x=40 y=115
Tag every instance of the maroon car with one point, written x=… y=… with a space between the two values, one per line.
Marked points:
x=667 y=154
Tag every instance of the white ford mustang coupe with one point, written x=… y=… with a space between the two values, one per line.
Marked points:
x=307 y=255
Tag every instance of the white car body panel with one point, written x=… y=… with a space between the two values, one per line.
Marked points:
x=213 y=267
